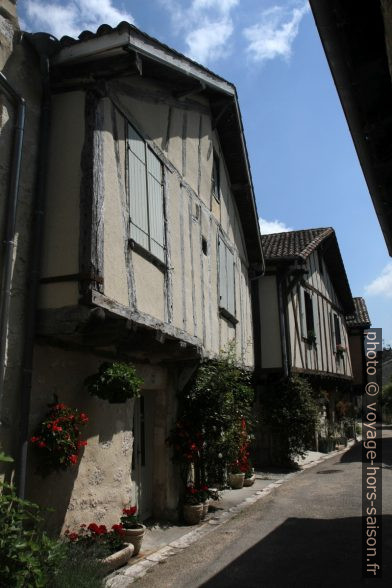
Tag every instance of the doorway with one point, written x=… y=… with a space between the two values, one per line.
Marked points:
x=142 y=455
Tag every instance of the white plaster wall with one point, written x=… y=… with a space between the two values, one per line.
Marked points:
x=101 y=484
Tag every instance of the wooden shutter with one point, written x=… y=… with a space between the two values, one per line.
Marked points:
x=333 y=336
x=222 y=274
x=155 y=205
x=316 y=318
x=230 y=281
x=301 y=293
x=138 y=188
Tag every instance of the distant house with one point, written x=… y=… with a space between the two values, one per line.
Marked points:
x=304 y=298
x=357 y=40
x=357 y=323
x=150 y=242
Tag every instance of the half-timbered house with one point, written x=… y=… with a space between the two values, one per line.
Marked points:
x=304 y=297
x=150 y=242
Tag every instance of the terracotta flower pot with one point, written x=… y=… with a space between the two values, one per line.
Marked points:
x=117 y=559
x=134 y=536
x=193 y=513
x=250 y=481
x=236 y=481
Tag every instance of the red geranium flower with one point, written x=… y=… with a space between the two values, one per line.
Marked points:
x=130 y=512
x=73 y=458
x=73 y=536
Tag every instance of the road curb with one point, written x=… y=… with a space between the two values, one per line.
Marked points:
x=130 y=574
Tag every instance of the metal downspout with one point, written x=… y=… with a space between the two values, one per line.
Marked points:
x=33 y=278
x=10 y=225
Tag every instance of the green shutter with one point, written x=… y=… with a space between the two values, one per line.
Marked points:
x=138 y=188
x=155 y=205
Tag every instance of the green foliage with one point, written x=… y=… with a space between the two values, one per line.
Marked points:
x=79 y=567
x=290 y=413
x=115 y=382
x=28 y=557
x=386 y=400
x=208 y=433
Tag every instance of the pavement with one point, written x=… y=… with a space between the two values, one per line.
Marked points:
x=161 y=541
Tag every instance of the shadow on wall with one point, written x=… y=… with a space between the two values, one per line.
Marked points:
x=90 y=487
x=22 y=72
x=304 y=553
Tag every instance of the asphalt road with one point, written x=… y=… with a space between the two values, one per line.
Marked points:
x=306 y=534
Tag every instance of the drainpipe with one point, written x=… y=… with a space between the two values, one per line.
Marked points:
x=40 y=45
x=10 y=224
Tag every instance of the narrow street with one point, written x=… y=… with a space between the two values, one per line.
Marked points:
x=307 y=533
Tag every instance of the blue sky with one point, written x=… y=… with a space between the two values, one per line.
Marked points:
x=305 y=170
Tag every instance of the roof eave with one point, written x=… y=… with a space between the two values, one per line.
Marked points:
x=337 y=62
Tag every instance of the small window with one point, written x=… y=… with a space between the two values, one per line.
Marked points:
x=204 y=246
x=308 y=324
x=338 y=336
x=309 y=316
x=215 y=181
x=145 y=196
x=226 y=280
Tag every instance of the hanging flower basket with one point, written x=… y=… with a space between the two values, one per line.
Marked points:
x=57 y=438
x=115 y=382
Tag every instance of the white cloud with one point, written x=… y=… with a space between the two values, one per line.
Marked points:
x=273 y=36
x=223 y=6
x=206 y=25
x=209 y=42
x=72 y=17
x=275 y=226
x=381 y=286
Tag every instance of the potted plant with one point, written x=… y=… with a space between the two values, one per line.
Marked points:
x=249 y=475
x=57 y=437
x=133 y=530
x=116 y=382
x=106 y=546
x=193 y=505
x=236 y=476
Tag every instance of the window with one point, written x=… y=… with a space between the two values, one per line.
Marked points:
x=336 y=325
x=309 y=315
x=226 y=280
x=145 y=196
x=309 y=322
x=215 y=180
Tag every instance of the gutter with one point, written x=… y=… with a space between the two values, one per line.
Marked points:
x=10 y=224
x=41 y=43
